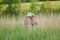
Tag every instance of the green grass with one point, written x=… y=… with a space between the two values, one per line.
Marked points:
x=19 y=33
x=47 y=29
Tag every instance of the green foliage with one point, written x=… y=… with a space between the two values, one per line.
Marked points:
x=22 y=1
x=44 y=10
x=0 y=10
x=11 y=11
x=24 y=12
x=35 y=7
x=10 y=1
x=48 y=10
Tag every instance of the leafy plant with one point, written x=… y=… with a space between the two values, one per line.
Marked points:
x=11 y=11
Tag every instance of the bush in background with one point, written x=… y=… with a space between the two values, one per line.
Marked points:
x=35 y=7
x=11 y=11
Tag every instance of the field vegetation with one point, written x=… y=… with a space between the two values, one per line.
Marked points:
x=48 y=28
x=12 y=17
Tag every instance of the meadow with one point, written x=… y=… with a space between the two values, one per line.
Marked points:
x=48 y=28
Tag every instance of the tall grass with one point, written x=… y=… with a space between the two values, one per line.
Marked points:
x=48 y=28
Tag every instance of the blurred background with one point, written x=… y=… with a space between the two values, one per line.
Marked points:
x=22 y=7
x=13 y=12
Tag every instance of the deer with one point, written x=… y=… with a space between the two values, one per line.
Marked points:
x=30 y=20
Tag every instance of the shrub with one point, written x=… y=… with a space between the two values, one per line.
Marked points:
x=11 y=11
x=35 y=7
